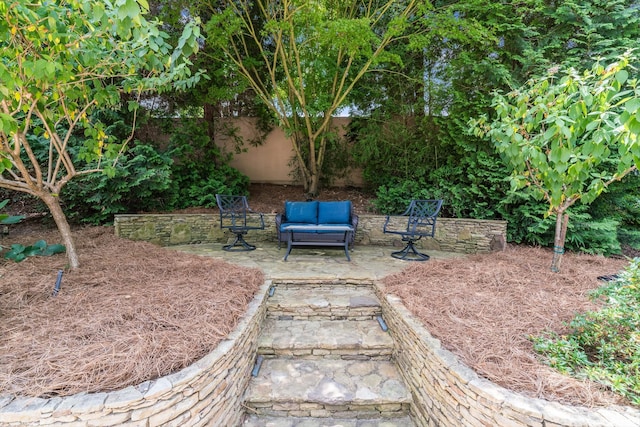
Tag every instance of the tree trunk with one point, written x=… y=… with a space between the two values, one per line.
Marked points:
x=53 y=203
x=562 y=219
x=314 y=185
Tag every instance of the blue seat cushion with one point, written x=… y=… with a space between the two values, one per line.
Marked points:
x=334 y=212
x=301 y=212
x=284 y=225
x=334 y=231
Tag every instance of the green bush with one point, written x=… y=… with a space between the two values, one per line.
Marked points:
x=622 y=203
x=388 y=149
x=394 y=198
x=527 y=224
x=141 y=181
x=20 y=252
x=603 y=345
x=222 y=180
x=200 y=169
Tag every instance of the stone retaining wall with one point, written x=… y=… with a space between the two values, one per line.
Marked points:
x=452 y=234
x=211 y=391
x=208 y=393
x=448 y=393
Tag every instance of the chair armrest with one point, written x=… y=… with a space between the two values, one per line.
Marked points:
x=280 y=218
x=355 y=219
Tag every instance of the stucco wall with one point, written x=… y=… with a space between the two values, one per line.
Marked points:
x=452 y=234
x=270 y=161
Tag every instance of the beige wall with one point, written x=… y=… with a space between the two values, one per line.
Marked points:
x=269 y=162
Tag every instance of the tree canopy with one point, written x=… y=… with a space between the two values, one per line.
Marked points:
x=61 y=61
x=566 y=138
x=304 y=58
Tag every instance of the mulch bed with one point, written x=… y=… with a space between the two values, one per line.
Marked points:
x=135 y=312
x=486 y=307
x=132 y=312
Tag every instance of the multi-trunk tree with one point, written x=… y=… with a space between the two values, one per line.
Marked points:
x=61 y=61
x=304 y=58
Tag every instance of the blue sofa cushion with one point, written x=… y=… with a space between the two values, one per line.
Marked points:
x=334 y=212
x=284 y=225
x=302 y=212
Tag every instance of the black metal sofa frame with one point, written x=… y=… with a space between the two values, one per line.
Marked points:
x=317 y=223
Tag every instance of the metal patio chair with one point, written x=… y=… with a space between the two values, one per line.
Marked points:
x=237 y=217
x=418 y=221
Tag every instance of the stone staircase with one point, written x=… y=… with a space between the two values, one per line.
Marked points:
x=325 y=360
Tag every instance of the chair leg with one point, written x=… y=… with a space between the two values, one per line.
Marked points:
x=239 y=245
x=410 y=253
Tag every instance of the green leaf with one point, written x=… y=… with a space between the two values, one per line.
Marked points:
x=54 y=249
x=32 y=250
x=632 y=106
x=549 y=133
x=40 y=244
x=622 y=76
x=13 y=219
x=144 y=4
x=592 y=125
x=17 y=257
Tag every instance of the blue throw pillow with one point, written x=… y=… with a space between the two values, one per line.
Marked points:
x=302 y=212
x=334 y=212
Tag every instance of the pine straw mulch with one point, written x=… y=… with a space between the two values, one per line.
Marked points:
x=485 y=308
x=132 y=312
x=136 y=311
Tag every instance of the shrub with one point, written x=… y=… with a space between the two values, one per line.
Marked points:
x=141 y=181
x=200 y=169
x=394 y=198
x=20 y=252
x=603 y=344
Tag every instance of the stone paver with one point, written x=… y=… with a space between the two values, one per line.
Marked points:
x=255 y=421
x=292 y=386
x=328 y=264
x=325 y=338
x=324 y=301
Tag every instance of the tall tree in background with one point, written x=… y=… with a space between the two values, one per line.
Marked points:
x=303 y=59
x=61 y=60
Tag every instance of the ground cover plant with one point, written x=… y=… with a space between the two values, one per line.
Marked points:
x=603 y=344
x=135 y=311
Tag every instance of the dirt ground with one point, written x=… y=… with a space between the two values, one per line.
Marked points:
x=134 y=311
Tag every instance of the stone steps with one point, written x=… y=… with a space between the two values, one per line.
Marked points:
x=331 y=302
x=325 y=361
x=256 y=421
x=328 y=388
x=345 y=339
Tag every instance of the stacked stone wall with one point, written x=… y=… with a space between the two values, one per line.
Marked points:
x=448 y=393
x=211 y=391
x=208 y=393
x=452 y=234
